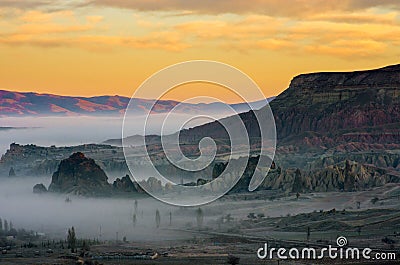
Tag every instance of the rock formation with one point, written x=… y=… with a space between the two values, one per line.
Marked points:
x=39 y=189
x=125 y=184
x=80 y=175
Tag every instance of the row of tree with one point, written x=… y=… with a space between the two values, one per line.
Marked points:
x=199 y=216
x=6 y=225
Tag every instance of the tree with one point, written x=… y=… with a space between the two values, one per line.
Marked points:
x=374 y=200
x=71 y=239
x=1 y=225
x=11 y=173
x=85 y=246
x=5 y=226
x=134 y=219
x=158 y=218
x=200 y=217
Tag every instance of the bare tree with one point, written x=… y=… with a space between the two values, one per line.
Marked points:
x=136 y=205
x=11 y=173
x=71 y=239
x=85 y=246
x=134 y=219
x=199 y=217
x=158 y=218
x=5 y=225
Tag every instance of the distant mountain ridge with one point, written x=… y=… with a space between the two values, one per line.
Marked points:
x=30 y=103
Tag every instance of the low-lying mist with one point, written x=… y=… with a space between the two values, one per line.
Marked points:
x=100 y=218
x=94 y=218
x=75 y=130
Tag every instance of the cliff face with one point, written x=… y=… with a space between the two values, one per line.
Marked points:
x=326 y=110
x=362 y=106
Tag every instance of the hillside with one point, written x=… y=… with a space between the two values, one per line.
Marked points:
x=348 y=111
x=19 y=104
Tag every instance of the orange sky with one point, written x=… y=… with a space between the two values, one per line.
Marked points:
x=101 y=47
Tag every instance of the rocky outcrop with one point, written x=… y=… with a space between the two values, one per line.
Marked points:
x=33 y=160
x=125 y=184
x=152 y=184
x=347 y=176
x=39 y=189
x=80 y=175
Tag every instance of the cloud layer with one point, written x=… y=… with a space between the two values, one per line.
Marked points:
x=96 y=47
x=292 y=8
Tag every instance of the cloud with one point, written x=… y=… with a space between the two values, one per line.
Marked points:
x=269 y=25
x=365 y=4
x=23 y=4
x=94 y=19
x=37 y=16
x=64 y=29
x=157 y=40
x=293 y=8
x=248 y=27
x=357 y=18
x=349 y=49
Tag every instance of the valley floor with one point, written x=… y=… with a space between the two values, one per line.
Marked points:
x=239 y=225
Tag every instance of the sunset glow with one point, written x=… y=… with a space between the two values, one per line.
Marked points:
x=111 y=46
